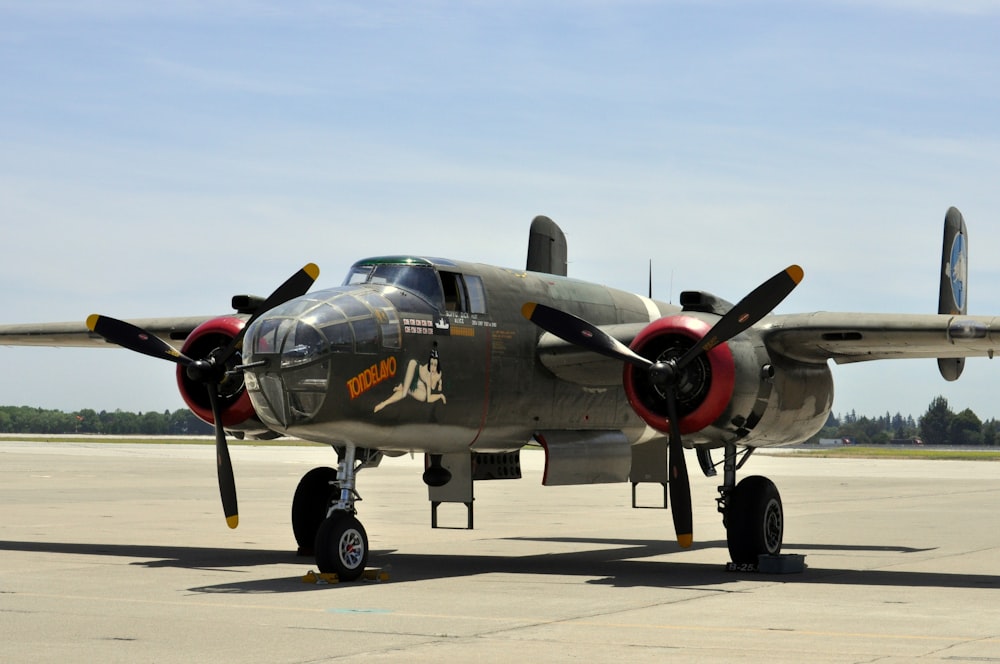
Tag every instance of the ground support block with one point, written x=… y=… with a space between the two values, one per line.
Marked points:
x=786 y=563
x=376 y=574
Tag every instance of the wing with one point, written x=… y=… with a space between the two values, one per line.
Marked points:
x=844 y=337
x=172 y=330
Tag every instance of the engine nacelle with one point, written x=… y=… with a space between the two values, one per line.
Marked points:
x=707 y=386
x=237 y=411
x=736 y=390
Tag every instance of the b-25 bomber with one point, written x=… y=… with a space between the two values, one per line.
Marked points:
x=469 y=363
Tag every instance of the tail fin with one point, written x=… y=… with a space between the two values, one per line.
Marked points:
x=546 y=247
x=953 y=297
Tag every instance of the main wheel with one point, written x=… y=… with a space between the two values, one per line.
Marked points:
x=754 y=520
x=310 y=504
x=342 y=546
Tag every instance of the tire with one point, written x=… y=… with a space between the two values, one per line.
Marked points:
x=310 y=504
x=342 y=546
x=754 y=520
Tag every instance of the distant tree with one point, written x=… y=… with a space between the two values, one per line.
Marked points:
x=185 y=423
x=990 y=436
x=87 y=421
x=935 y=425
x=23 y=419
x=966 y=429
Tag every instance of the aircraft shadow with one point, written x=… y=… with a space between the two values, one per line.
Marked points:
x=185 y=557
x=622 y=565
x=616 y=563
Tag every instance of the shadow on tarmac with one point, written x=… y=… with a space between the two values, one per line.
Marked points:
x=185 y=557
x=619 y=563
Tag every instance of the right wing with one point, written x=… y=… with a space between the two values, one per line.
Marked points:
x=173 y=330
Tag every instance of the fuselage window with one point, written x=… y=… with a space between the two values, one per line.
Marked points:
x=463 y=293
x=477 y=294
x=454 y=292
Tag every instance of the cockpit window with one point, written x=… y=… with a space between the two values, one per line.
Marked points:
x=358 y=275
x=419 y=279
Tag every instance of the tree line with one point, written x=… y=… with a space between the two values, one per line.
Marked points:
x=24 y=419
x=939 y=425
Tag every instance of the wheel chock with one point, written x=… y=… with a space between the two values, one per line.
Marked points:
x=320 y=579
x=785 y=563
x=376 y=574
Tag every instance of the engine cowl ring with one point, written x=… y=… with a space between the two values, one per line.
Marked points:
x=706 y=384
x=237 y=411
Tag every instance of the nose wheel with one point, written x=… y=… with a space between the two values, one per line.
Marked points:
x=342 y=546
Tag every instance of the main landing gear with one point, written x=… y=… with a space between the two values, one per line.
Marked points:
x=751 y=512
x=324 y=517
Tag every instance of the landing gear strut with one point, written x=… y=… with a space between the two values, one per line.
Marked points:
x=751 y=512
x=324 y=517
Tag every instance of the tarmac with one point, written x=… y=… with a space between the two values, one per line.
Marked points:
x=120 y=553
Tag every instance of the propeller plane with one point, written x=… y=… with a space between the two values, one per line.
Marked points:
x=468 y=363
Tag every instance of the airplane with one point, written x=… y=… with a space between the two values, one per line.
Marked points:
x=469 y=363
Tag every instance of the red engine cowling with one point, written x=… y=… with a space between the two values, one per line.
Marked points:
x=237 y=411
x=706 y=387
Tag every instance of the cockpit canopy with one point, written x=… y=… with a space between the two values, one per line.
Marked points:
x=439 y=283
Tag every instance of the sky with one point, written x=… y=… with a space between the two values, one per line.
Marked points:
x=157 y=158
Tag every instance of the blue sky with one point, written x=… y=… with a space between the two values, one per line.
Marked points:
x=156 y=158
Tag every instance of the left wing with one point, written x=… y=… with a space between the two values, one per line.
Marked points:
x=847 y=337
x=171 y=330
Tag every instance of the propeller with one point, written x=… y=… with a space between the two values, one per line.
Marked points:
x=667 y=373
x=211 y=371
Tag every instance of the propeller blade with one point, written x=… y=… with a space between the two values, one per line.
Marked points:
x=679 y=483
x=135 y=338
x=227 y=481
x=209 y=370
x=757 y=304
x=579 y=332
x=296 y=285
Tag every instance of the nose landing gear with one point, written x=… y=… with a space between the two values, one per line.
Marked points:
x=324 y=517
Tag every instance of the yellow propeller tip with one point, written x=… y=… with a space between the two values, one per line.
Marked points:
x=528 y=309
x=92 y=321
x=796 y=273
x=312 y=270
x=685 y=540
x=233 y=521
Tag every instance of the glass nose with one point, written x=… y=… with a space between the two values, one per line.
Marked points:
x=290 y=352
x=289 y=373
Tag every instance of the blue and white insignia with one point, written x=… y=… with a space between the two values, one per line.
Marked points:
x=958 y=265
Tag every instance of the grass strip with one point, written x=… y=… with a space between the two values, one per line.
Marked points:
x=935 y=453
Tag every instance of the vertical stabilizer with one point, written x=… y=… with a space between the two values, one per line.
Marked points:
x=953 y=297
x=546 y=247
